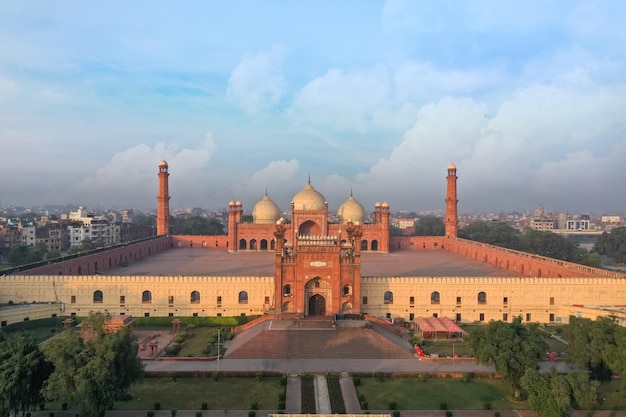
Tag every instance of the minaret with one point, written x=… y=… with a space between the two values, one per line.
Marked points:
x=452 y=219
x=163 y=201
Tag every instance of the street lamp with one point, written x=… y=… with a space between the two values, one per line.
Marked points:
x=453 y=356
x=218 y=349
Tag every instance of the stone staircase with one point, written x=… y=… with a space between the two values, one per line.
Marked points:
x=321 y=339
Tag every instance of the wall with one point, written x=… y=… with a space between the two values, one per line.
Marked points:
x=538 y=297
x=103 y=260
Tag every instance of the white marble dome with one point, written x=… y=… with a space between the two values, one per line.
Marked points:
x=351 y=211
x=265 y=211
x=309 y=199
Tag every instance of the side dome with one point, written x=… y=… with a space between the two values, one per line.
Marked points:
x=265 y=211
x=351 y=210
x=309 y=199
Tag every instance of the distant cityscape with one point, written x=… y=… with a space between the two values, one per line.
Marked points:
x=61 y=228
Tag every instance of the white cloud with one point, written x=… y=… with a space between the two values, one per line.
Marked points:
x=344 y=100
x=277 y=177
x=257 y=83
x=131 y=175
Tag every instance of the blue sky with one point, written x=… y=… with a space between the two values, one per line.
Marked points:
x=528 y=99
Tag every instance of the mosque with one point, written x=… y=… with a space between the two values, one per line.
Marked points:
x=315 y=264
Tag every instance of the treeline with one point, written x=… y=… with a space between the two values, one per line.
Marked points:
x=541 y=243
x=196 y=226
x=613 y=244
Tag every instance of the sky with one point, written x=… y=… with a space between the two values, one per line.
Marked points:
x=373 y=98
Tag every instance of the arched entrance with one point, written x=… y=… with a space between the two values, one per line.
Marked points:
x=317 y=305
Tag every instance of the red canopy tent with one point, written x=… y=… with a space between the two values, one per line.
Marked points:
x=438 y=328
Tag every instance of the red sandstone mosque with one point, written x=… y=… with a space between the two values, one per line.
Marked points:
x=314 y=265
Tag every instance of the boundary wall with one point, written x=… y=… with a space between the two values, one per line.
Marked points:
x=478 y=299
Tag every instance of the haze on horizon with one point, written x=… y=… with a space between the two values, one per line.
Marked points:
x=528 y=99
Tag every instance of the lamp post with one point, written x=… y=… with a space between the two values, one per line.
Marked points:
x=453 y=356
x=218 y=349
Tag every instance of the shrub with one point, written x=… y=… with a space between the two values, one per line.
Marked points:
x=157 y=406
x=251 y=413
x=487 y=406
x=448 y=413
x=204 y=406
x=254 y=406
x=150 y=413
x=259 y=376
x=364 y=405
x=51 y=413
x=443 y=405
x=467 y=376
x=590 y=413
x=496 y=414
x=215 y=375
x=283 y=381
x=198 y=413
x=64 y=406
x=423 y=377
x=612 y=413
x=361 y=397
x=356 y=380
x=396 y=413
x=282 y=396
x=379 y=376
x=173 y=412
x=173 y=349
x=281 y=404
x=393 y=405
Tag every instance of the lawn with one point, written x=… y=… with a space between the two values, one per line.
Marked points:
x=201 y=338
x=412 y=394
x=228 y=393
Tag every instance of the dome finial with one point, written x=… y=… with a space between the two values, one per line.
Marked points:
x=266 y=191
x=309 y=179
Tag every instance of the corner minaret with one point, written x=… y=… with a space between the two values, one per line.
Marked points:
x=452 y=219
x=163 y=201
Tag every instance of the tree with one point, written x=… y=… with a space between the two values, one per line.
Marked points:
x=18 y=255
x=552 y=394
x=593 y=345
x=23 y=371
x=511 y=347
x=552 y=245
x=612 y=244
x=94 y=371
x=429 y=226
x=492 y=233
x=197 y=226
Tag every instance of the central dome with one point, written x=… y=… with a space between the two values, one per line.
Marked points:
x=309 y=199
x=265 y=211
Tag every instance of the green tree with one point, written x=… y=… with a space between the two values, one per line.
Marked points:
x=592 y=344
x=85 y=246
x=197 y=226
x=612 y=244
x=492 y=233
x=18 y=255
x=552 y=394
x=511 y=347
x=53 y=254
x=94 y=371
x=429 y=226
x=23 y=371
x=552 y=245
